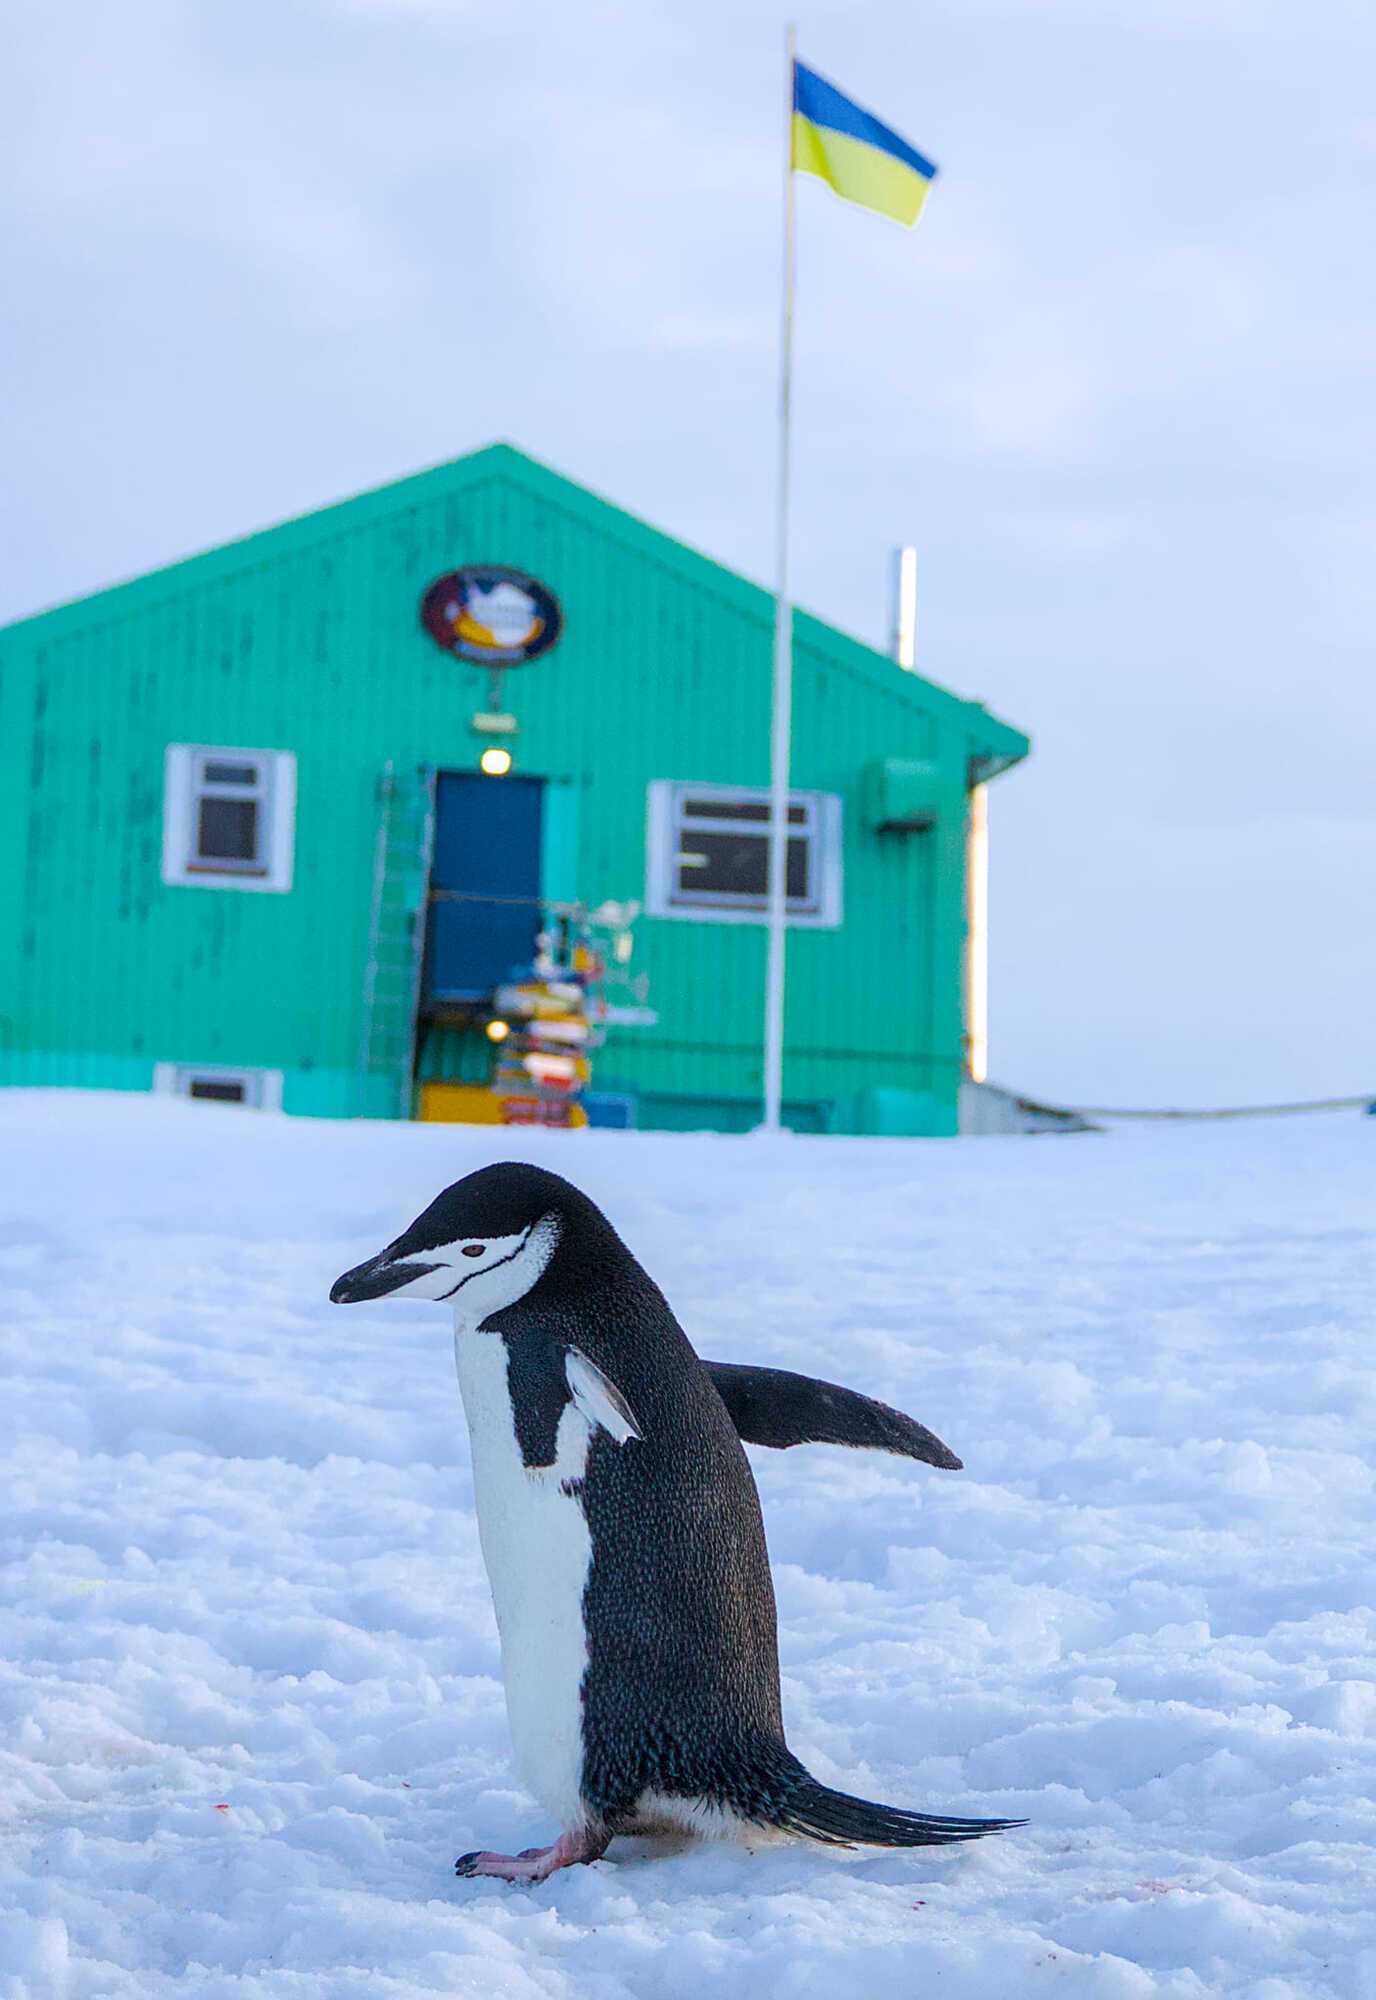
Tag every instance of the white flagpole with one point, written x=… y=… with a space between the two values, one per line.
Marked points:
x=781 y=728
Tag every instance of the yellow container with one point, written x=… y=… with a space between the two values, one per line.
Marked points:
x=475 y=1104
x=459 y=1104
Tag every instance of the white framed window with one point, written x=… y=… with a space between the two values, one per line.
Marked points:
x=214 y=1083
x=229 y=817
x=707 y=854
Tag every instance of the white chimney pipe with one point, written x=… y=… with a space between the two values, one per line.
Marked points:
x=904 y=637
x=977 y=934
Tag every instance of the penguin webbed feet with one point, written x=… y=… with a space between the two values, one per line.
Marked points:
x=536 y=1864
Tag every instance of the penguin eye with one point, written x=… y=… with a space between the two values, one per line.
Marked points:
x=474 y=1249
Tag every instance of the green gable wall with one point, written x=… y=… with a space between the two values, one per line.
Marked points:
x=307 y=638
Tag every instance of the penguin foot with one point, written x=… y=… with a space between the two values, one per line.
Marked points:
x=536 y=1864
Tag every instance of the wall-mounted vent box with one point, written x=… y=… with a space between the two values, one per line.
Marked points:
x=902 y=795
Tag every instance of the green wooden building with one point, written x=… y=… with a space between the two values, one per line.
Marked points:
x=234 y=790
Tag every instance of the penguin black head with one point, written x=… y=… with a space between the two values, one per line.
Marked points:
x=482 y=1244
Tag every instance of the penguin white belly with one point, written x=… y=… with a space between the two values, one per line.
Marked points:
x=538 y=1551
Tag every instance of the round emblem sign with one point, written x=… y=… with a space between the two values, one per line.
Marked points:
x=494 y=616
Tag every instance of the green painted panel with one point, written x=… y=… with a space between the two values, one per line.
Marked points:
x=662 y=1113
x=559 y=841
x=454 y=1054
x=316 y=1093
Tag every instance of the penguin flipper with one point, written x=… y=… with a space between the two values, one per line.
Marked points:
x=597 y=1397
x=772 y=1406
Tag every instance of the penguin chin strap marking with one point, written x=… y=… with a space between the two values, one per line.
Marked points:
x=596 y=1397
x=491 y=1287
x=483 y=1270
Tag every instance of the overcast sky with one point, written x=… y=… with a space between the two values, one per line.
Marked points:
x=1117 y=387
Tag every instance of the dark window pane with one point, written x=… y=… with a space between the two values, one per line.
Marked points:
x=228 y=830
x=796 y=870
x=231 y=774
x=757 y=810
x=736 y=864
x=222 y=1090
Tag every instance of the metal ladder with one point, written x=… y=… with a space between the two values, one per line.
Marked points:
x=396 y=939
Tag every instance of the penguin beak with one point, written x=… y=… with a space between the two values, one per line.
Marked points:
x=373 y=1280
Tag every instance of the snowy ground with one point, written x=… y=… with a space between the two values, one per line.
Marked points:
x=249 y=1702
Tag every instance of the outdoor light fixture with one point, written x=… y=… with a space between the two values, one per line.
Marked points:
x=497 y=1031
x=495 y=762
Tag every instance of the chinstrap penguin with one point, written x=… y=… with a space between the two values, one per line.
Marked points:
x=621 y=1528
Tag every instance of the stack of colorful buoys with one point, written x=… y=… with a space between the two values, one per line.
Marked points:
x=540 y=1025
x=542 y=1065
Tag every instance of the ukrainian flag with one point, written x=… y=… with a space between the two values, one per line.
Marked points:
x=857 y=157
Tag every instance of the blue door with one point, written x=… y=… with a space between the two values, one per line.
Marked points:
x=485 y=884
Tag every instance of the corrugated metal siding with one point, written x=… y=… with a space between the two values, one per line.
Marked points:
x=308 y=639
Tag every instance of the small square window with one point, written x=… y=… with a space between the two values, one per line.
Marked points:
x=701 y=806
x=229 y=827
x=228 y=833
x=258 y=1089
x=229 y=774
x=219 y=1089
x=708 y=854
x=735 y=865
x=228 y=818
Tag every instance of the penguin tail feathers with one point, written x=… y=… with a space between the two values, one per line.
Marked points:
x=817 y=1813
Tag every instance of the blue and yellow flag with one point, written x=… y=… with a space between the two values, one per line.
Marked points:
x=857 y=157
